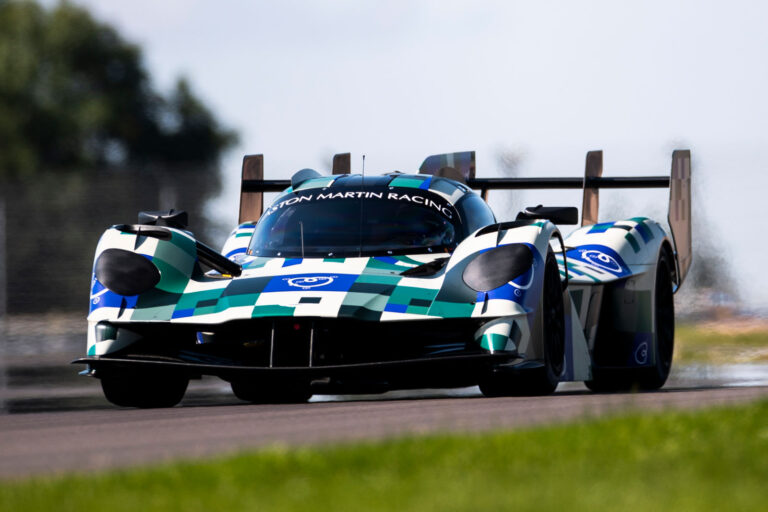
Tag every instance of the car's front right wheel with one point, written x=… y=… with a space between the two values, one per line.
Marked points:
x=654 y=376
x=259 y=392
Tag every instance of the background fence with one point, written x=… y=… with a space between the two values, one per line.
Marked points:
x=52 y=226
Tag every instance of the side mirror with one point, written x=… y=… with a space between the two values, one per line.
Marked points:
x=171 y=218
x=556 y=214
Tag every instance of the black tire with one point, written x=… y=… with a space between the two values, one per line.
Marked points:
x=610 y=381
x=144 y=390
x=258 y=392
x=542 y=380
x=664 y=341
x=653 y=377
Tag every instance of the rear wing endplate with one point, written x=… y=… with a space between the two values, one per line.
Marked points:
x=251 y=201
x=679 y=215
x=457 y=166
x=342 y=163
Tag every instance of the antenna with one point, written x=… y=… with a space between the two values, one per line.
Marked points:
x=301 y=234
x=362 y=187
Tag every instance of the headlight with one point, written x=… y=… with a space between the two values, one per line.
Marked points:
x=125 y=272
x=498 y=266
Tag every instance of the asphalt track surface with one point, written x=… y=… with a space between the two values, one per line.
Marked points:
x=64 y=429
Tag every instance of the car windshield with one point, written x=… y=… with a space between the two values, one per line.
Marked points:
x=351 y=223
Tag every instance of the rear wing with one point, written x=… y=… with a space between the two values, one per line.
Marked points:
x=461 y=167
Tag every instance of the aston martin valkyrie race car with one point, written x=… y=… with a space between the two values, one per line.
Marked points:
x=351 y=283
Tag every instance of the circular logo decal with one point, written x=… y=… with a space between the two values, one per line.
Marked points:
x=601 y=260
x=641 y=353
x=306 y=283
x=521 y=283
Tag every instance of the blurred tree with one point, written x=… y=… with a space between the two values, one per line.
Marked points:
x=75 y=95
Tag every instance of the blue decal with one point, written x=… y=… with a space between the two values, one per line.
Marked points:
x=396 y=308
x=387 y=259
x=600 y=257
x=289 y=262
x=426 y=183
x=102 y=297
x=645 y=232
x=507 y=292
x=183 y=313
x=236 y=251
x=315 y=282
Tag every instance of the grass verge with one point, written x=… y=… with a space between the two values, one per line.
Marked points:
x=705 y=460
x=719 y=344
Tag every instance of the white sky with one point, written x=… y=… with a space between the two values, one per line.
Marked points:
x=399 y=80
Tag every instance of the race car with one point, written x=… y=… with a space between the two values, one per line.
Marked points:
x=358 y=283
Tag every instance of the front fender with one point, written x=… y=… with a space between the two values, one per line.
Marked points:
x=513 y=297
x=174 y=256
x=612 y=251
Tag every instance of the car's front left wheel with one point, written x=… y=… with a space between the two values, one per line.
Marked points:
x=542 y=380
x=144 y=390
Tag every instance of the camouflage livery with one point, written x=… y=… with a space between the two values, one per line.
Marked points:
x=407 y=296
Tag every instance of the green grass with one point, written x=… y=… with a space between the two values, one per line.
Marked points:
x=698 y=344
x=707 y=460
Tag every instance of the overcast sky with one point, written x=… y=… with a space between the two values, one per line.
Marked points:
x=546 y=80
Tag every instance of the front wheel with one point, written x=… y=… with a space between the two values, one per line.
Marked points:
x=542 y=380
x=144 y=390
x=652 y=377
x=655 y=376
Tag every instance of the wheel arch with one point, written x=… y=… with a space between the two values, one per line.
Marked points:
x=667 y=251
